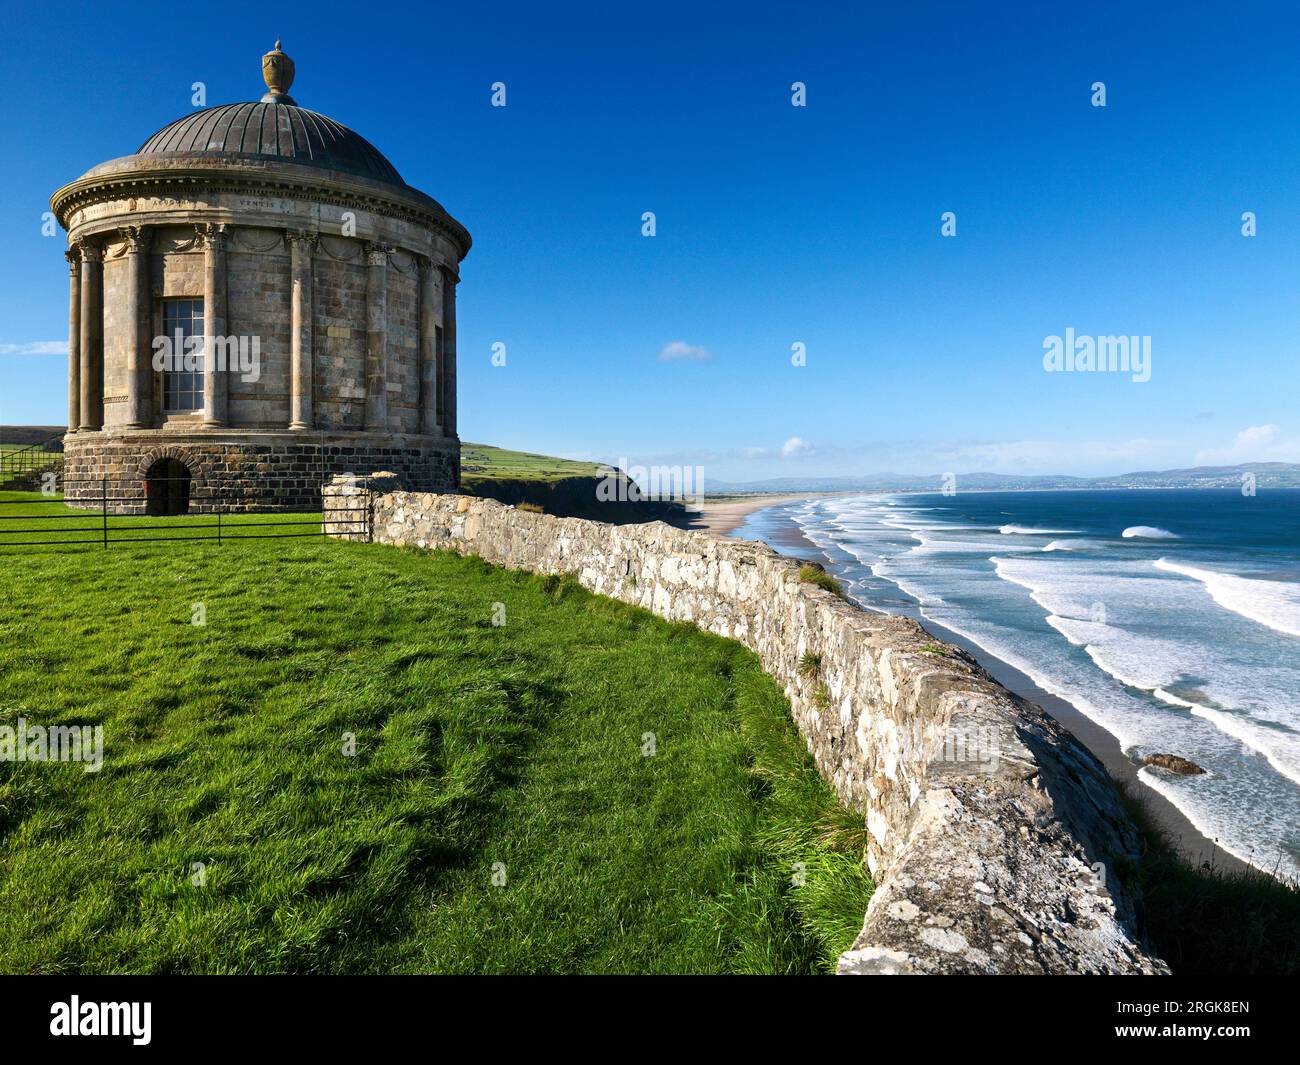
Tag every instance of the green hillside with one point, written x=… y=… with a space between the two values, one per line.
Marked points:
x=564 y=487
x=480 y=462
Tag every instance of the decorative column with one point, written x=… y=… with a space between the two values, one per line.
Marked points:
x=430 y=335
x=139 y=379
x=92 y=335
x=215 y=379
x=302 y=368
x=377 y=336
x=74 y=339
x=447 y=404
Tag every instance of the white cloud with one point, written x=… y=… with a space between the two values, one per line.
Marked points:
x=753 y=452
x=1255 y=443
x=679 y=349
x=796 y=445
x=36 y=347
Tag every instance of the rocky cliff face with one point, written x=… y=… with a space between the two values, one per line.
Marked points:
x=572 y=497
x=995 y=837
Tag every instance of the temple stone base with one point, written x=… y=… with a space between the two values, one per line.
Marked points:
x=268 y=471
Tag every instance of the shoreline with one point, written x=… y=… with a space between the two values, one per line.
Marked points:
x=723 y=517
x=1192 y=844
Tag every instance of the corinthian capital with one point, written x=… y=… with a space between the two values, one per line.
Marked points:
x=377 y=253
x=307 y=239
x=74 y=259
x=429 y=270
x=138 y=238
x=212 y=235
x=89 y=250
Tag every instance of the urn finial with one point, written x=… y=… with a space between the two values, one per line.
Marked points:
x=277 y=71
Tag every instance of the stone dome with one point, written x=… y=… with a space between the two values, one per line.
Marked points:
x=272 y=130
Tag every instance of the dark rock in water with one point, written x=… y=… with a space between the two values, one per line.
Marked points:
x=1175 y=764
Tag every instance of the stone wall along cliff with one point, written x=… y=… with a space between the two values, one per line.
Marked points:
x=994 y=836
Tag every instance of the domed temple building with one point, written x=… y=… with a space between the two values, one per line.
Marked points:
x=257 y=302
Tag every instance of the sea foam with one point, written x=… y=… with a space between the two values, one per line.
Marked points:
x=1147 y=532
x=1148 y=655
x=1029 y=530
x=1275 y=604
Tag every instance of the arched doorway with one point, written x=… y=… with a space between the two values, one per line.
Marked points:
x=167 y=488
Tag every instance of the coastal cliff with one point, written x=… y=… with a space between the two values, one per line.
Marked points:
x=995 y=838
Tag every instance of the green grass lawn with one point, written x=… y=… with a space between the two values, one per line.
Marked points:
x=484 y=462
x=501 y=812
x=45 y=524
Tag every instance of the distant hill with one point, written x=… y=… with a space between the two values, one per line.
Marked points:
x=1267 y=475
x=483 y=462
x=564 y=487
x=494 y=471
x=25 y=435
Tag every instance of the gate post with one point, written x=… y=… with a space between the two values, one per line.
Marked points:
x=349 y=500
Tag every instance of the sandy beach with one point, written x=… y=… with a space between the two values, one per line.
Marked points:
x=725 y=517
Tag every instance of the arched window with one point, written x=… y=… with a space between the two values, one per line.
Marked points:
x=167 y=488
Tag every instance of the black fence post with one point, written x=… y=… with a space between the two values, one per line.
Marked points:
x=103 y=495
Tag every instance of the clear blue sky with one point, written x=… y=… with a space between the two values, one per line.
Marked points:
x=775 y=224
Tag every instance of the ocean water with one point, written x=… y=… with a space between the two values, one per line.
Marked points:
x=1170 y=618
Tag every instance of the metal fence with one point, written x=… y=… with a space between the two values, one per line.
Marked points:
x=102 y=521
x=45 y=455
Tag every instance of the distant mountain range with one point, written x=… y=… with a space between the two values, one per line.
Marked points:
x=1267 y=475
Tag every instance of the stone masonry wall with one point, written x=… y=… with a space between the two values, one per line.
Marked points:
x=271 y=472
x=994 y=836
x=339 y=344
x=258 y=292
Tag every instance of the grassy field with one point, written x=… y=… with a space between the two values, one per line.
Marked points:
x=503 y=810
x=484 y=462
x=7 y=448
x=46 y=524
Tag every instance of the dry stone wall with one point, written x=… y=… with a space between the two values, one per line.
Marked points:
x=994 y=836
